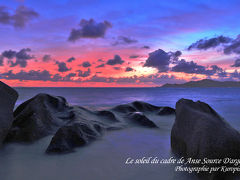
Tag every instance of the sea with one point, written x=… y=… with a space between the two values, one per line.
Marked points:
x=106 y=158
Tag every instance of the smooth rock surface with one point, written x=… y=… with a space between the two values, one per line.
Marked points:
x=74 y=126
x=8 y=97
x=39 y=117
x=75 y=135
x=140 y=119
x=199 y=132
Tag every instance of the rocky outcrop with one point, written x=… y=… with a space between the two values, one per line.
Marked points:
x=8 y=97
x=136 y=106
x=74 y=126
x=140 y=119
x=75 y=135
x=39 y=117
x=166 y=111
x=199 y=132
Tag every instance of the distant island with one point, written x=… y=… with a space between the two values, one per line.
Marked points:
x=203 y=83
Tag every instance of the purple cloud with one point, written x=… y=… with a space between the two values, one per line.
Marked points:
x=236 y=63
x=116 y=60
x=84 y=73
x=20 y=18
x=158 y=59
x=100 y=66
x=124 y=40
x=46 y=58
x=89 y=29
x=204 y=44
x=86 y=64
x=128 y=69
x=71 y=59
x=62 y=67
x=21 y=57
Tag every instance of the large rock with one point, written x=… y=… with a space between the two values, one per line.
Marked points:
x=74 y=126
x=166 y=111
x=138 y=118
x=39 y=117
x=8 y=97
x=140 y=106
x=199 y=132
x=74 y=135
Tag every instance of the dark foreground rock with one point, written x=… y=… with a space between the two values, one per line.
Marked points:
x=74 y=126
x=75 y=135
x=166 y=111
x=38 y=117
x=136 y=106
x=140 y=119
x=199 y=132
x=8 y=97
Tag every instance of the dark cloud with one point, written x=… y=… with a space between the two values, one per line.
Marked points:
x=204 y=44
x=86 y=64
x=62 y=67
x=23 y=15
x=128 y=69
x=21 y=57
x=233 y=47
x=67 y=78
x=36 y=76
x=116 y=60
x=100 y=60
x=151 y=79
x=133 y=56
x=230 y=46
x=174 y=56
x=236 y=63
x=31 y=75
x=46 y=76
x=96 y=78
x=1 y=60
x=101 y=65
x=20 y=18
x=158 y=59
x=84 y=73
x=71 y=59
x=46 y=58
x=5 y=17
x=218 y=71
x=10 y=54
x=235 y=74
x=193 y=68
x=222 y=74
x=89 y=29
x=188 y=67
x=146 y=47
x=124 y=40
x=117 y=68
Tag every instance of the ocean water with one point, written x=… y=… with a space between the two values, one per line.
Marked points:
x=226 y=101
x=105 y=158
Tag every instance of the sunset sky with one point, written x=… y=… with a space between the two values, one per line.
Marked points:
x=105 y=43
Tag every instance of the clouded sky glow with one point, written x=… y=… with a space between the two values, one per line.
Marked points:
x=124 y=43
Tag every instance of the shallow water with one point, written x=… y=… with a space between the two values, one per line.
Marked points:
x=105 y=158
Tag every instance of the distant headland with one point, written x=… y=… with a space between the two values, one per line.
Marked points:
x=203 y=83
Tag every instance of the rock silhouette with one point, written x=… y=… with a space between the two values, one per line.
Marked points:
x=74 y=126
x=8 y=97
x=199 y=132
x=140 y=119
x=75 y=135
x=38 y=117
